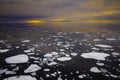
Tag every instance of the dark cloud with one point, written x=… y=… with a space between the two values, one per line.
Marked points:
x=67 y=9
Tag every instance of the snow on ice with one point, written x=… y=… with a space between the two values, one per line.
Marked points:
x=22 y=58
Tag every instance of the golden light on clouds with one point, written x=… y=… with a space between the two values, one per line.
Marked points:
x=34 y=21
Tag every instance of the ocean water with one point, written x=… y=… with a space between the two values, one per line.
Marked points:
x=60 y=51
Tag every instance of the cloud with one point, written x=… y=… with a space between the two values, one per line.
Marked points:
x=70 y=10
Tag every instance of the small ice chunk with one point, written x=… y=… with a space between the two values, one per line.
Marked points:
x=25 y=41
x=10 y=72
x=96 y=40
x=64 y=58
x=100 y=64
x=29 y=50
x=22 y=58
x=74 y=54
x=24 y=77
x=111 y=39
x=54 y=53
x=103 y=46
x=95 y=55
x=95 y=70
x=52 y=63
x=4 y=50
x=48 y=55
x=115 y=54
x=46 y=70
x=32 y=68
x=3 y=71
x=81 y=76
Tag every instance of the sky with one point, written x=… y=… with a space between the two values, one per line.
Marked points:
x=62 y=10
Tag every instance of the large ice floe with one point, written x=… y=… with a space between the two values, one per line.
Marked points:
x=24 y=77
x=32 y=68
x=95 y=55
x=22 y=58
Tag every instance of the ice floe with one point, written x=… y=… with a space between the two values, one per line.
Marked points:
x=52 y=63
x=23 y=77
x=64 y=58
x=25 y=41
x=10 y=72
x=95 y=70
x=74 y=54
x=4 y=50
x=46 y=70
x=48 y=55
x=103 y=46
x=95 y=55
x=32 y=68
x=100 y=64
x=54 y=53
x=22 y=58
x=3 y=71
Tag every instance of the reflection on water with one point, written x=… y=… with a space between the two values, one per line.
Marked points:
x=55 y=52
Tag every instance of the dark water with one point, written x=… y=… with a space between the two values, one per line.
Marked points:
x=76 y=51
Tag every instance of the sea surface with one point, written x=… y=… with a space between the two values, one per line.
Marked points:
x=60 y=51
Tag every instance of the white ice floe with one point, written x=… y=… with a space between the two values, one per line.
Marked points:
x=24 y=77
x=95 y=55
x=32 y=68
x=64 y=58
x=52 y=63
x=22 y=58
x=25 y=41
x=4 y=50
x=96 y=40
x=115 y=54
x=29 y=50
x=94 y=48
x=95 y=70
x=10 y=72
x=46 y=70
x=3 y=71
x=48 y=55
x=54 y=53
x=74 y=54
x=103 y=46
x=110 y=39
x=100 y=64
x=82 y=76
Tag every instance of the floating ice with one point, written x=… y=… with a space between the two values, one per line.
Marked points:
x=95 y=55
x=3 y=71
x=54 y=53
x=25 y=41
x=100 y=64
x=96 y=40
x=74 y=54
x=64 y=58
x=22 y=58
x=10 y=72
x=110 y=39
x=29 y=50
x=95 y=70
x=24 y=77
x=103 y=46
x=52 y=63
x=46 y=70
x=32 y=68
x=4 y=50
x=48 y=55
x=115 y=54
